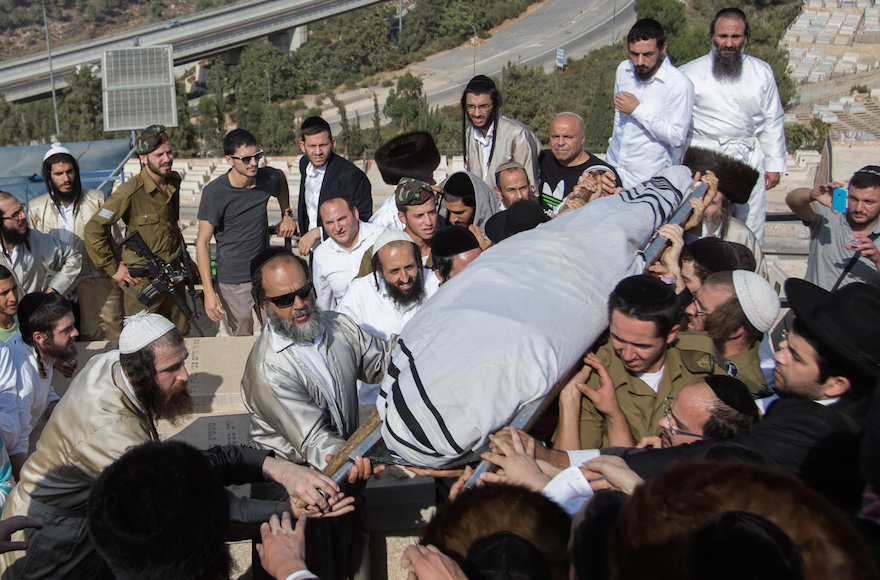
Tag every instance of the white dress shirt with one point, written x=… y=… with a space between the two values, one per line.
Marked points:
x=376 y=312
x=34 y=393
x=314 y=181
x=744 y=119
x=333 y=268
x=485 y=143
x=386 y=215
x=653 y=136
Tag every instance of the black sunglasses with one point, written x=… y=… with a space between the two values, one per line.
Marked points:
x=247 y=158
x=287 y=300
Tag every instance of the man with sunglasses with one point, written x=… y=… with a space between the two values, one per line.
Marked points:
x=233 y=211
x=148 y=203
x=300 y=381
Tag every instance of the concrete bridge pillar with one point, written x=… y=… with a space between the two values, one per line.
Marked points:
x=290 y=40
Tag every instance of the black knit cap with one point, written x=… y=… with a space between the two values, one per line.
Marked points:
x=644 y=289
x=452 y=241
x=733 y=393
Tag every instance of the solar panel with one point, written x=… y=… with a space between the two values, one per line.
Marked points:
x=138 y=88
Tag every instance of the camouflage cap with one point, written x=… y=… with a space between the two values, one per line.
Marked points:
x=412 y=192
x=150 y=139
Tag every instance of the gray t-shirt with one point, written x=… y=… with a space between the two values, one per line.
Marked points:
x=828 y=232
x=241 y=224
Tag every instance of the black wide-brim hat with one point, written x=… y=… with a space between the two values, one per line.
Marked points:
x=846 y=321
x=409 y=155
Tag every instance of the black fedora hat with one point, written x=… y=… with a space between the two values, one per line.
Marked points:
x=844 y=321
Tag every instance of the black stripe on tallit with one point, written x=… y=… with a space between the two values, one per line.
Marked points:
x=393 y=370
x=647 y=191
x=408 y=444
x=407 y=417
x=426 y=399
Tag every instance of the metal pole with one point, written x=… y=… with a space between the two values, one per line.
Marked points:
x=269 y=83
x=613 y=17
x=51 y=74
x=399 y=20
x=475 y=48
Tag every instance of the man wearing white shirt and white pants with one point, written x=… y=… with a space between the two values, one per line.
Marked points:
x=335 y=262
x=653 y=102
x=383 y=303
x=737 y=110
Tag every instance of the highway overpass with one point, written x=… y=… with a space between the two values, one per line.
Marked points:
x=197 y=36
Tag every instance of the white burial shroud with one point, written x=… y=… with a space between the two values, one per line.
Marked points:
x=506 y=329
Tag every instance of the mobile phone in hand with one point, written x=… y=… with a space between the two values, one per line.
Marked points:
x=838 y=199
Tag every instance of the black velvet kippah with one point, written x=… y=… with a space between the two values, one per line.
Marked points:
x=644 y=289
x=459 y=185
x=480 y=85
x=733 y=393
x=714 y=254
x=265 y=256
x=331 y=194
x=453 y=240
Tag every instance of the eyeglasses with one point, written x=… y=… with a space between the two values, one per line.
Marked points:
x=287 y=300
x=667 y=410
x=482 y=108
x=18 y=215
x=247 y=158
x=697 y=310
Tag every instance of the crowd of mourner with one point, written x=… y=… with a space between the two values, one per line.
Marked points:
x=685 y=443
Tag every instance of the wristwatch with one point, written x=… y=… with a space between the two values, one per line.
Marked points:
x=289 y=213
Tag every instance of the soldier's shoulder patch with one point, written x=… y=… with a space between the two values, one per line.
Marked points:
x=105 y=213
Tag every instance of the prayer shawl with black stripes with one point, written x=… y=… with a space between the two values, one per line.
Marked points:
x=506 y=329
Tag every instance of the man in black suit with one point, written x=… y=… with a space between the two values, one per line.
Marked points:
x=825 y=373
x=322 y=170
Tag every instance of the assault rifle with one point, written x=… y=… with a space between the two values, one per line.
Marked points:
x=162 y=277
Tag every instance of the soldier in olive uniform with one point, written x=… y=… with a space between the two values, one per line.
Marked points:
x=149 y=203
x=617 y=398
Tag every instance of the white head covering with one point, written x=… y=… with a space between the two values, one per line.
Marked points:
x=388 y=236
x=757 y=299
x=55 y=149
x=141 y=329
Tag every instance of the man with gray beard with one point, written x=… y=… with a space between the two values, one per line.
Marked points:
x=300 y=388
x=299 y=385
x=737 y=110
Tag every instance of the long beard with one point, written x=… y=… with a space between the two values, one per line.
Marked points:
x=287 y=328
x=727 y=68
x=405 y=298
x=14 y=237
x=58 y=351
x=162 y=406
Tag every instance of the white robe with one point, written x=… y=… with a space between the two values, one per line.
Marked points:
x=743 y=119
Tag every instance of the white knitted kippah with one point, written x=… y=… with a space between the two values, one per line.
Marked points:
x=388 y=236
x=757 y=299
x=141 y=329
x=55 y=149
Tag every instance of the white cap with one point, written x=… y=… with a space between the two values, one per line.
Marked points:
x=55 y=150
x=388 y=236
x=141 y=329
x=757 y=298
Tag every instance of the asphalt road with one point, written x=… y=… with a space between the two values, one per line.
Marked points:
x=574 y=25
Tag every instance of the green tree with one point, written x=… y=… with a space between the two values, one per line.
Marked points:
x=218 y=82
x=404 y=101
x=12 y=124
x=184 y=136
x=81 y=111
x=376 y=134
